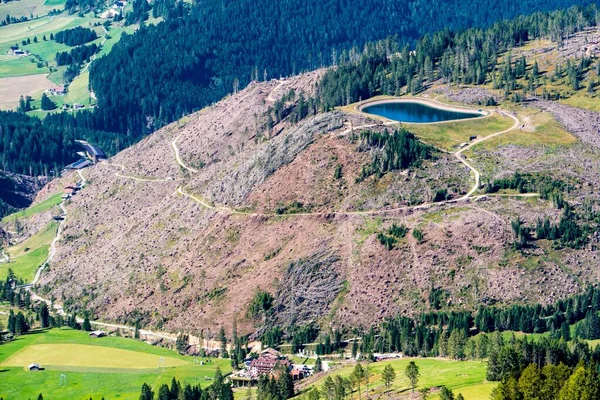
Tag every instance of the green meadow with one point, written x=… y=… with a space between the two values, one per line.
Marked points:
x=466 y=377
x=109 y=367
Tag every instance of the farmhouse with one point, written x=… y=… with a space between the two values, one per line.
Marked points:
x=58 y=91
x=79 y=164
x=93 y=152
x=70 y=190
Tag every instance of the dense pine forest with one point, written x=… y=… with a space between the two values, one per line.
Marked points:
x=207 y=49
x=200 y=53
x=467 y=57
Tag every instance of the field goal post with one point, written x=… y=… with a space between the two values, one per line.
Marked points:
x=161 y=363
x=63 y=380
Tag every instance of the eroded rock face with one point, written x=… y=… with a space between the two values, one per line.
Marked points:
x=187 y=246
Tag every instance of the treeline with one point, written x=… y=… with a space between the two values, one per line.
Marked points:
x=219 y=389
x=37 y=147
x=547 y=369
x=73 y=6
x=468 y=57
x=13 y=20
x=393 y=151
x=32 y=147
x=277 y=386
x=20 y=323
x=77 y=55
x=455 y=334
x=75 y=36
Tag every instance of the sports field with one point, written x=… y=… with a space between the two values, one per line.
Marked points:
x=83 y=355
x=109 y=367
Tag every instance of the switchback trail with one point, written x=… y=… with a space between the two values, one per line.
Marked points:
x=458 y=154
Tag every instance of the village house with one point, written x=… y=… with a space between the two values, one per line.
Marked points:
x=58 y=91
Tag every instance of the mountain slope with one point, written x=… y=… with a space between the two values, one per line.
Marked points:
x=185 y=243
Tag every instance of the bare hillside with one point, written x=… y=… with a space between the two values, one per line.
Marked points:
x=183 y=228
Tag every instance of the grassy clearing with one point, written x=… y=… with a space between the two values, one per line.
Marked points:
x=20 y=67
x=85 y=381
x=35 y=209
x=583 y=101
x=474 y=392
x=457 y=375
x=78 y=90
x=15 y=33
x=26 y=8
x=448 y=136
x=302 y=360
x=542 y=130
x=26 y=257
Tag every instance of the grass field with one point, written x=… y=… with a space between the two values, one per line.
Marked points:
x=12 y=88
x=115 y=367
x=583 y=101
x=35 y=209
x=448 y=136
x=37 y=8
x=545 y=131
x=20 y=67
x=15 y=33
x=460 y=376
x=83 y=355
x=26 y=257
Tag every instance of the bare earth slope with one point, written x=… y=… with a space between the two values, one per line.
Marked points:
x=185 y=243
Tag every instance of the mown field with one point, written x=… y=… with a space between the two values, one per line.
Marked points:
x=109 y=367
x=27 y=8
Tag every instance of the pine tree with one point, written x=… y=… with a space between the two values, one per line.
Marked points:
x=530 y=382
x=44 y=316
x=223 y=340
x=358 y=376
x=328 y=388
x=318 y=365
x=388 y=375
x=412 y=373
x=87 y=326
x=147 y=393
x=446 y=394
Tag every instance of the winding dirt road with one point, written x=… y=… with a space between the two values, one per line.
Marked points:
x=219 y=208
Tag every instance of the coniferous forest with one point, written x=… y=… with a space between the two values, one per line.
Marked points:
x=208 y=47
x=193 y=59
